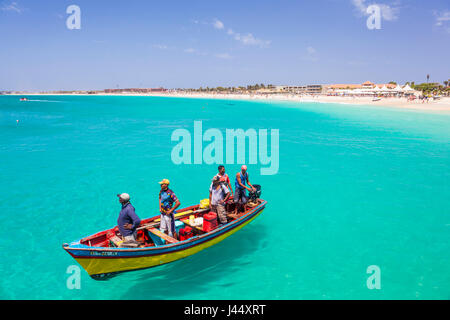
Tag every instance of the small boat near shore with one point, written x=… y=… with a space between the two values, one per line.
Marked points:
x=101 y=256
x=23 y=99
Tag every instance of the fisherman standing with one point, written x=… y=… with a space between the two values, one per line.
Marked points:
x=218 y=195
x=128 y=221
x=224 y=178
x=240 y=197
x=167 y=199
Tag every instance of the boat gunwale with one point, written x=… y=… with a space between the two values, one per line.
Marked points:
x=68 y=248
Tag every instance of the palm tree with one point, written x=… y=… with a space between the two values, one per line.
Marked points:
x=446 y=83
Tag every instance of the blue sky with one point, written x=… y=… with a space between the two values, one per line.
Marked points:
x=192 y=43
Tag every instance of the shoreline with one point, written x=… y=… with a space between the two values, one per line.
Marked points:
x=442 y=105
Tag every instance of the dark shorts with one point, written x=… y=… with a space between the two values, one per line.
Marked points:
x=240 y=196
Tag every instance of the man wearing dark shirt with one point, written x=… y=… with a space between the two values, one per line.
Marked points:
x=128 y=221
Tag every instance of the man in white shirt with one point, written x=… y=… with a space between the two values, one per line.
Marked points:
x=218 y=195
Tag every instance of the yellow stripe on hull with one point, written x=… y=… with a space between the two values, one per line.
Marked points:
x=95 y=266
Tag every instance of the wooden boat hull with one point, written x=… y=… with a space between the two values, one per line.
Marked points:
x=100 y=262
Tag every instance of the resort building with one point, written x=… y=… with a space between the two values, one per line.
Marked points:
x=365 y=85
x=368 y=85
x=369 y=89
x=305 y=89
x=343 y=86
x=314 y=89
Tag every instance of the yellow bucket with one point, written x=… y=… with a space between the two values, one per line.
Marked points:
x=204 y=204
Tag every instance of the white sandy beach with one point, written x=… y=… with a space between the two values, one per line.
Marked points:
x=441 y=105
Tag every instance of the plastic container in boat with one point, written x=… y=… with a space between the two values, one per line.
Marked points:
x=198 y=222
x=178 y=225
x=209 y=221
x=186 y=233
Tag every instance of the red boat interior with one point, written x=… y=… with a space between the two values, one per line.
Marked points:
x=148 y=234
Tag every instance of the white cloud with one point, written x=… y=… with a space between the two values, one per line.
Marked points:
x=195 y=51
x=13 y=6
x=310 y=55
x=223 y=56
x=218 y=24
x=442 y=17
x=360 y=6
x=311 y=50
x=442 y=20
x=160 y=46
x=388 y=12
x=247 y=39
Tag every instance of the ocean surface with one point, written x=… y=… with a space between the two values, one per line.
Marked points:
x=357 y=186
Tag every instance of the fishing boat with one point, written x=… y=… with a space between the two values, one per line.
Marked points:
x=102 y=255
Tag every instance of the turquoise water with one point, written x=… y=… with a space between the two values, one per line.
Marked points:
x=356 y=186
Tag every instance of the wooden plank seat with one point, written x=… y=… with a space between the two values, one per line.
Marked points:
x=162 y=235
x=178 y=216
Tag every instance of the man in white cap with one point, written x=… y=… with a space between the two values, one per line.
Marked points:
x=240 y=198
x=128 y=221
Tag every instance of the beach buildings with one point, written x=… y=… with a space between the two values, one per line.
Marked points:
x=136 y=90
x=365 y=86
x=370 y=89
x=313 y=89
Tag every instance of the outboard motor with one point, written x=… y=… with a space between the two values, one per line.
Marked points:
x=253 y=196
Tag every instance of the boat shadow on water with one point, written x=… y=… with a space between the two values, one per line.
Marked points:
x=196 y=272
